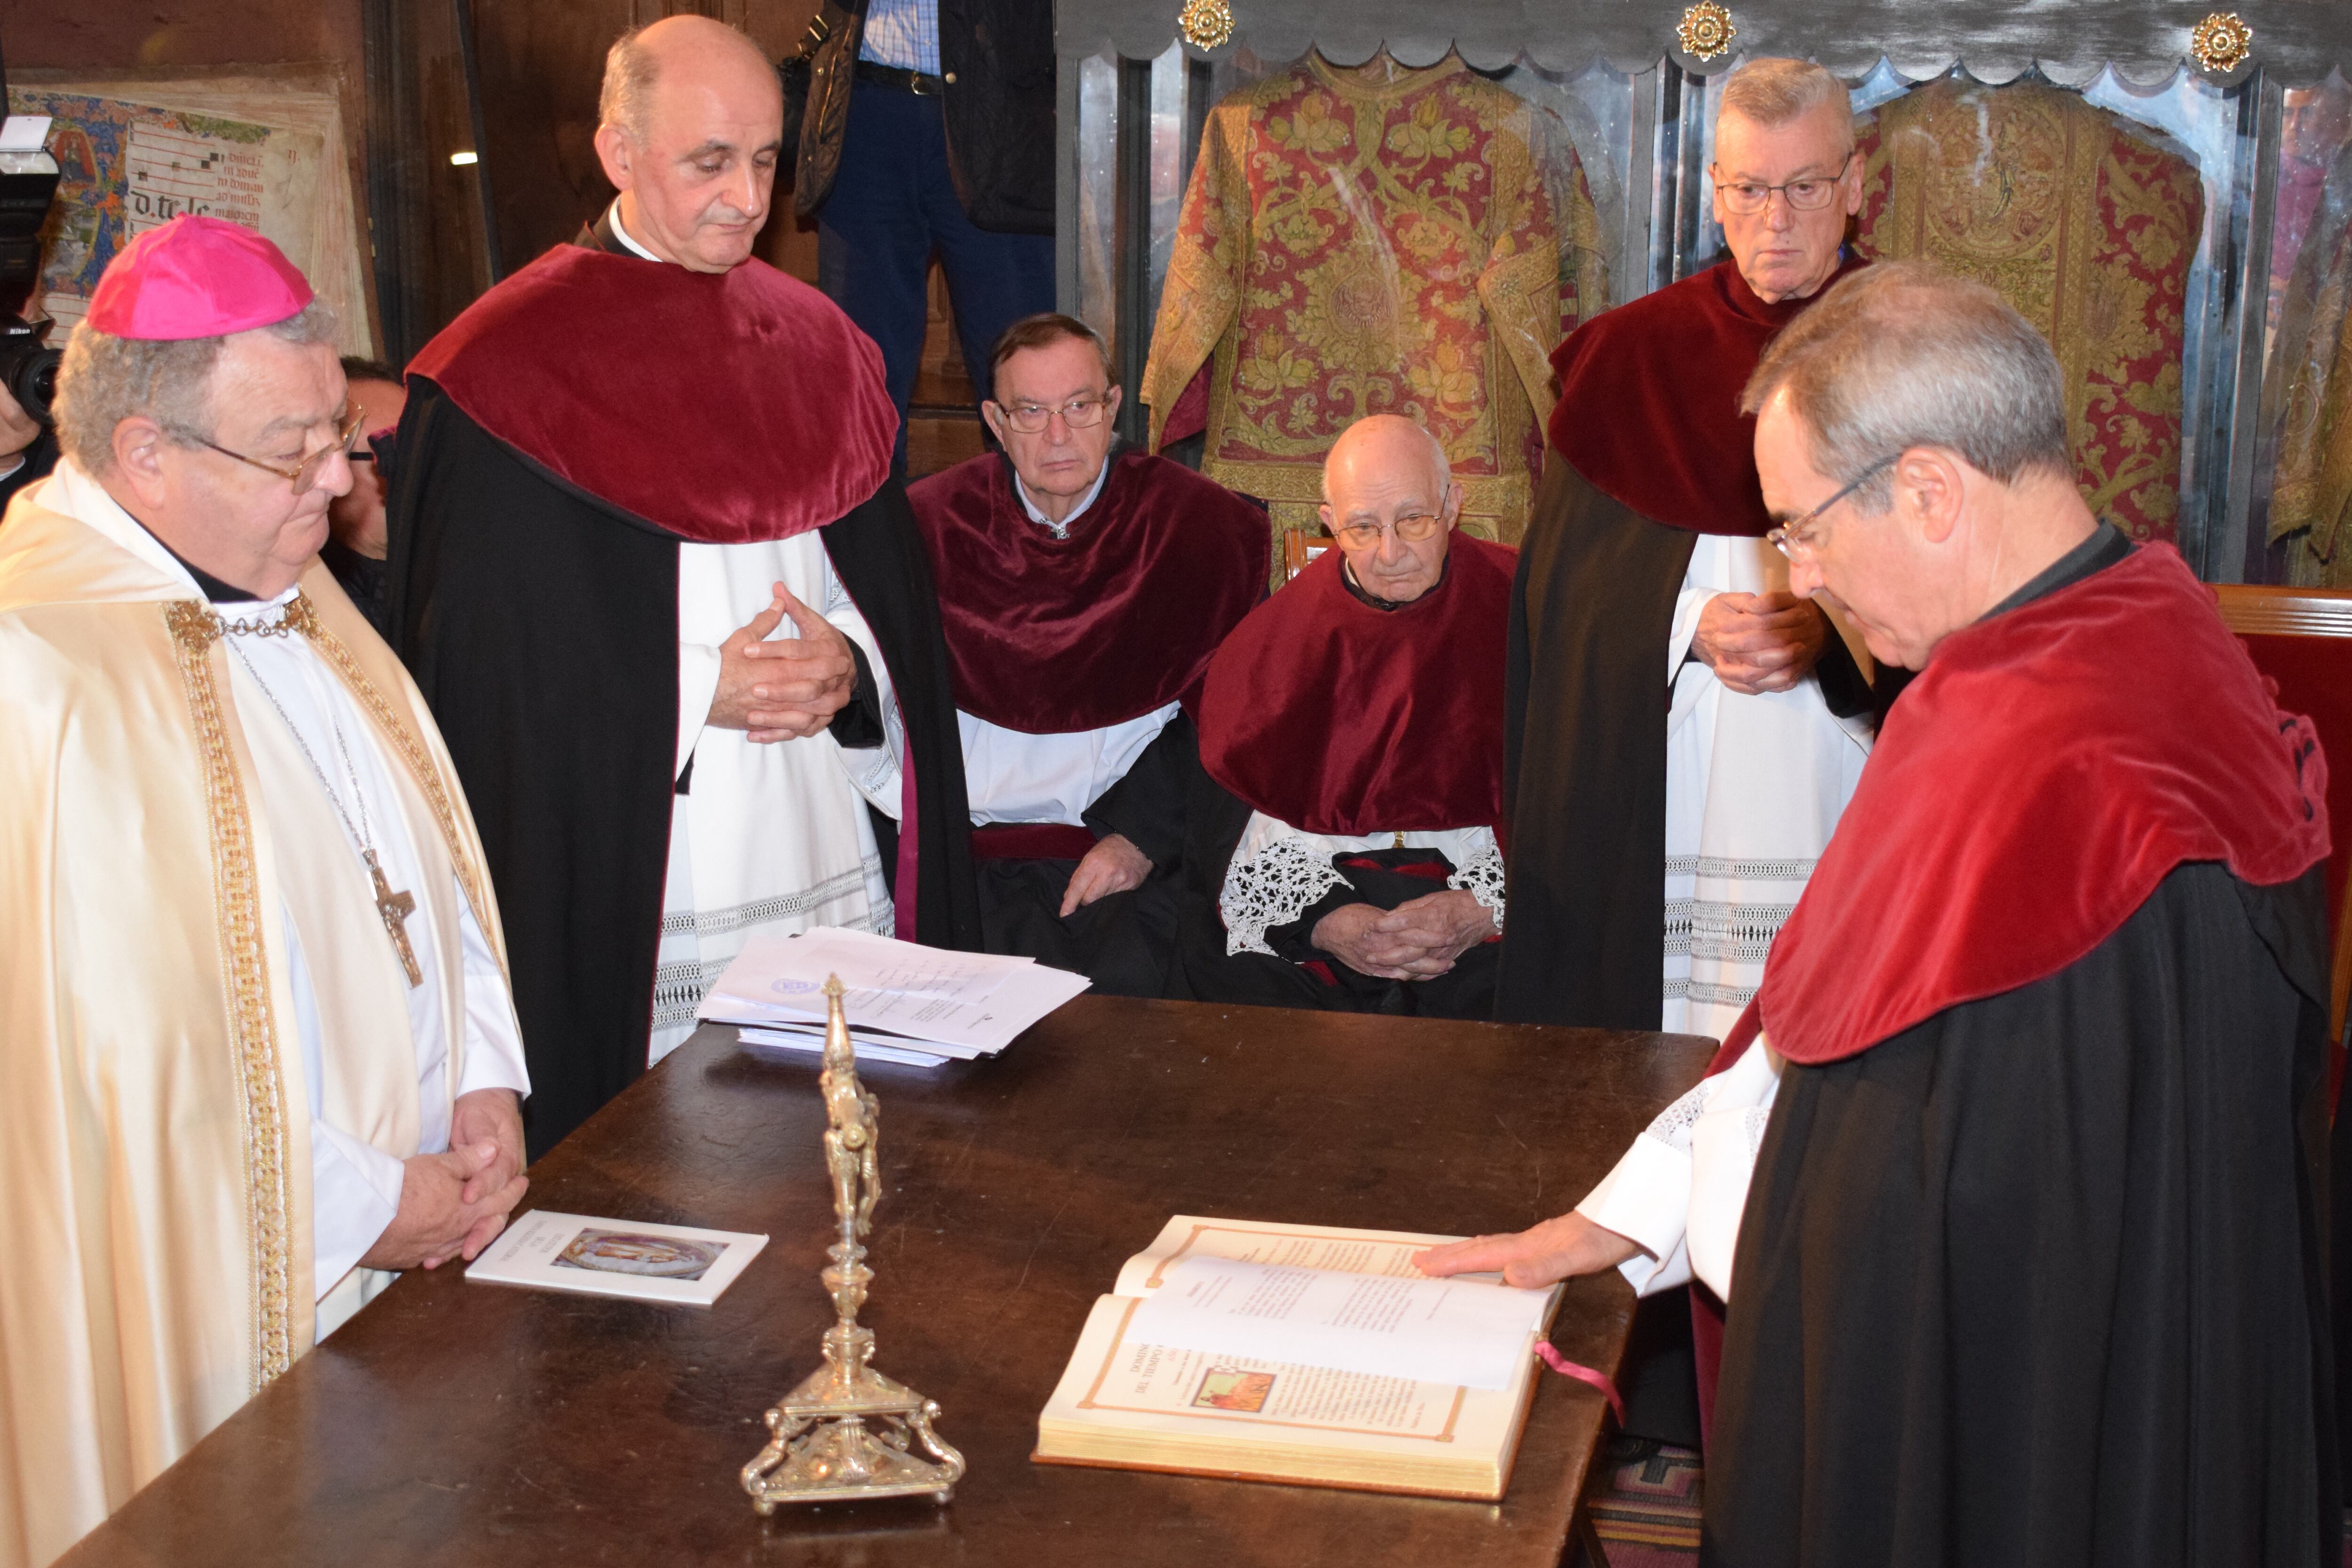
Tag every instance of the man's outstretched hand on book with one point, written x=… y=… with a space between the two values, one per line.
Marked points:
x=1539 y=1255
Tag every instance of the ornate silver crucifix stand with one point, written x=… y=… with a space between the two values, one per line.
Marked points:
x=847 y=1431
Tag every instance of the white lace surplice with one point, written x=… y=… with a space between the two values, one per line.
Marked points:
x=1754 y=788
x=1678 y=1192
x=1277 y=872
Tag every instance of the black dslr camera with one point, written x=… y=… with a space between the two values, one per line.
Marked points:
x=29 y=366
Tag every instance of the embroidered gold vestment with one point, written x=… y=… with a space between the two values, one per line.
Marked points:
x=154 y=1108
x=1375 y=241
x=2086 y=226
x=2311 y=499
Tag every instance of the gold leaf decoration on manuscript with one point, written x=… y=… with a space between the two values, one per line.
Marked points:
x=1369 y=241
x=2084 y=224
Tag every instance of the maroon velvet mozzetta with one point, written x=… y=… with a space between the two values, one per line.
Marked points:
x=718 y=467
x=1335 y=717
x=1649 y=399
x=1047 y=635
x=2046 y=771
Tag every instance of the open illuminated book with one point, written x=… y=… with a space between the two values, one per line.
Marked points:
x=1296 y=1352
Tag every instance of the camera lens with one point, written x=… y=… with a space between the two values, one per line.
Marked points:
x=28 y=369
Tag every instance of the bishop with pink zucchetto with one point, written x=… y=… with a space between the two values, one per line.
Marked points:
x=261 y=1052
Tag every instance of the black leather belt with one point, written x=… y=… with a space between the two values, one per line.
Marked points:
x=916 y=82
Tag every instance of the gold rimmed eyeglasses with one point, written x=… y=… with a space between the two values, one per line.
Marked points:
x=1412 y=529
x=303 y=476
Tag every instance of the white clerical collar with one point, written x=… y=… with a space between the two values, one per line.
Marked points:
x=624 y=235
x=1062 y=529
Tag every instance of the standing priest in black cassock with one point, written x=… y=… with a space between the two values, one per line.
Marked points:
x=1341 y=852
x=1682 y=731
x=2026 y=1268
x=621 y=471
x=1082 y=593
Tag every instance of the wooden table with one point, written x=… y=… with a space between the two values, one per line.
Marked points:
x=457 y=1424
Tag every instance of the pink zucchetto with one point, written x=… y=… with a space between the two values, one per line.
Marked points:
x=196 y=278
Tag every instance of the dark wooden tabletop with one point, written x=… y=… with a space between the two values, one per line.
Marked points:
x=451 y=1423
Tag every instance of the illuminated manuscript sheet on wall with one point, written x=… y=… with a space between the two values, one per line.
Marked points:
x=266 y=153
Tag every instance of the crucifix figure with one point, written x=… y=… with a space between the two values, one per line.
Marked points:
x=395 y=909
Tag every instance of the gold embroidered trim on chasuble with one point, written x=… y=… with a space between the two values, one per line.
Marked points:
x=2087 y=226
x=253 y=1030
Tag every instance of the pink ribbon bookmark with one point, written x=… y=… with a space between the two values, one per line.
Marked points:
x=1566 y=1368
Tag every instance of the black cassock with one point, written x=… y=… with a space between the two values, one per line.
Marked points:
x=2037 y=1280
x=1983 y=1314
x=541 y=622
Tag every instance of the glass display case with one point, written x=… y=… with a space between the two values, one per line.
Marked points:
x=2181 y=230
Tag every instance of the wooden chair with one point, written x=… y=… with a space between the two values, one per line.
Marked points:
x=1299 y=548
x=2302 y=639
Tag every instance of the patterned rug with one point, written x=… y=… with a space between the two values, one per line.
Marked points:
x=1644 y=1501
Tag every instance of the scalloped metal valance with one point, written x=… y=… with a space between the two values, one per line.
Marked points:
x=2294 y=41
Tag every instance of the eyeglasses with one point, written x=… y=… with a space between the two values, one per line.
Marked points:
x=1792 y=539
x=303 y=476
x=1412 y=530
x=1809 y=195
x=1083 y=413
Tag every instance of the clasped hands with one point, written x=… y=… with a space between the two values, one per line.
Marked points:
x=454 y=1205
x=786 y=689
x=1418 y=940
x=1757 y=643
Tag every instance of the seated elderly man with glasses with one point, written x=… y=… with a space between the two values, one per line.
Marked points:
x=1081 y=591
x=1343 y=855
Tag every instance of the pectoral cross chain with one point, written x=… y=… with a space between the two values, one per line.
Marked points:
x=395 y=909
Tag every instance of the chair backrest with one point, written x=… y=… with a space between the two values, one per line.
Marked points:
x=2302 y=639
x=1299 y=548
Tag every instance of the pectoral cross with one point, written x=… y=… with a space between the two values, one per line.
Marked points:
x=395 y=909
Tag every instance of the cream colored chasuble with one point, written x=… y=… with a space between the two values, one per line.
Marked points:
x=200 y=990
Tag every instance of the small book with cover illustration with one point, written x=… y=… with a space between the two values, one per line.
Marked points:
x=1298 y=1352
x=554 y=1251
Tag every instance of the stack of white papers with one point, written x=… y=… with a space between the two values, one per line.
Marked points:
x=904 y=1002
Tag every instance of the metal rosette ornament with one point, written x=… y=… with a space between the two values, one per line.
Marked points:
x=2223 y=46
x=1705 y=33
x=1206 y=24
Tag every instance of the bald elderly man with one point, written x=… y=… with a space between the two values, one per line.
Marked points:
x=680 y=634
x=1342 y=854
